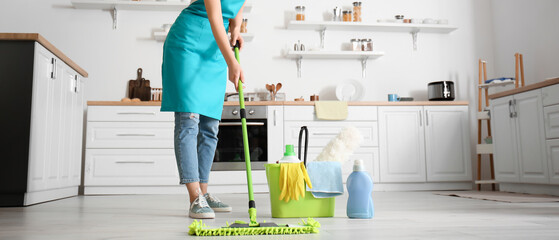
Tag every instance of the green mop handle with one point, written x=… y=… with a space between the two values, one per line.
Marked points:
x=251 y=203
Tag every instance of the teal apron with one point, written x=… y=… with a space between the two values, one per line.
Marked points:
x=194 y=71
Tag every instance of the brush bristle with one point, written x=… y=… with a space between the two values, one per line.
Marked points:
x=200 y=229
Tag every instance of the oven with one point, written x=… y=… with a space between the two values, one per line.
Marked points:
x=229 y=154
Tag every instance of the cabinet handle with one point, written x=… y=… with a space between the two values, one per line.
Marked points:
x=510 y=111
x=136 y=113
x=144 y=162
x=275 y=118
x=54 y=72
x=515 y=114
x=426 y=118
x=420 y=119
x=135 y=135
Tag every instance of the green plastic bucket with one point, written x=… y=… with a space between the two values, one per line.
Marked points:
x=309 y=206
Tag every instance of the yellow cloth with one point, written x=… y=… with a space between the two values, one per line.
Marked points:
x=331 y=110
x=292 y=181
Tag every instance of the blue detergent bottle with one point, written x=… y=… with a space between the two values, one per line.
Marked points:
x=360 y=187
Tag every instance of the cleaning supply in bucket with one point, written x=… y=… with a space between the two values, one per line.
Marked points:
x=289 y=155
x=359 y=187
x=293 y=176
x=342 y=146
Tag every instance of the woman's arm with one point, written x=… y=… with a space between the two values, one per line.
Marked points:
x=235 y=27
x=213 y=8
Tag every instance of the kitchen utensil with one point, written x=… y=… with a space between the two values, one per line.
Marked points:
x=349 y=90
x=299 y=99
x=441 y=91
x=393 y=97
x=139 y=88
x=278 y=87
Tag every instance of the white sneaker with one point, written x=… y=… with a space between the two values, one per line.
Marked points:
x=200 y=208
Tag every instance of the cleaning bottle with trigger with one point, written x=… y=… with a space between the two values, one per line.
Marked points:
x=360 y=187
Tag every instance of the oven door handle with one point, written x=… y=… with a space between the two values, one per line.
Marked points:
x=226 y=124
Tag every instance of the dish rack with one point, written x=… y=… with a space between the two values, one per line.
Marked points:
x=486 y=147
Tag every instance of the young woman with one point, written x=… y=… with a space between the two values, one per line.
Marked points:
x=197 y=61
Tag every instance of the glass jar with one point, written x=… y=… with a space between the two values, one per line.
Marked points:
x=347 y=15
x=244 y=25
x=357 y=11
x=366 y=44
x=355 y=44
x=300 y=11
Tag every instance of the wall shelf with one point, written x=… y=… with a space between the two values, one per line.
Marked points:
x=160 y=36
x=116 y=5
x=414 y=29
x=360 y=55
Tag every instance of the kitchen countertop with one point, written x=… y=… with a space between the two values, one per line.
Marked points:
x=530 y=87
x=290 y=103
x=37 y=37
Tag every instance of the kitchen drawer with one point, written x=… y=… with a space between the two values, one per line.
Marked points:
x=307 y=113
x=551 y=119
x=130 y=135
x=370 y=157
x=550 y=95
x=553 y=160
x=138 y=167
x=128 y=114
x=320 y=133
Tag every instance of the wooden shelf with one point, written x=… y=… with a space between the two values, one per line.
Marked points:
x=162 y=35
x=492 y=84
x=375 y=27
x=335 y=54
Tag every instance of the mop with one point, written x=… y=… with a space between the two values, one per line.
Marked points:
x=253 y=227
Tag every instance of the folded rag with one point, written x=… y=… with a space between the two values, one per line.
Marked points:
x=331 y=110
x=292 y=181
x=326 y=178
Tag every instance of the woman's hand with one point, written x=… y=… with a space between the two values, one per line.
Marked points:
x=236 y=36
x=236 y=74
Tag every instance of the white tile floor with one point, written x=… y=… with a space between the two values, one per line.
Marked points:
x=398 y=215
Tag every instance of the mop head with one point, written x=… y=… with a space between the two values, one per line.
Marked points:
x=199 y=229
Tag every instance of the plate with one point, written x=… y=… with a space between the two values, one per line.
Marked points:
x=349 y=90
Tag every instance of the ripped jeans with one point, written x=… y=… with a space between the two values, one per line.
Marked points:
x=195 y=143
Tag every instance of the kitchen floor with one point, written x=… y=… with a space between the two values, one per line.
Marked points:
x=398 y=215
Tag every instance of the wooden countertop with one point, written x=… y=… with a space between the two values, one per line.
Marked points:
x=291 y=103
x=530 y=87
x=37 y=37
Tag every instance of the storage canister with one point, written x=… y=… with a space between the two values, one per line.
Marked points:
x=347 y=15
x=355 y=44
x=366 y=44
x=357 y=11
x=300 y=10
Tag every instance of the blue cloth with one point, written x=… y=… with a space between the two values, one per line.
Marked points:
x=326 y=179
x=194 y=72
x=195 y=143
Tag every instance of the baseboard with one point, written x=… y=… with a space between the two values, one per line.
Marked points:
x=530 y=188
x=49 y=195
x=440 y=186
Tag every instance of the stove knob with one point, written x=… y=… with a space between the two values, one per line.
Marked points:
x=235 y=112
x=251 y=111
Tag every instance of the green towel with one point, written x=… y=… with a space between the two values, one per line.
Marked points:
x=331 y=110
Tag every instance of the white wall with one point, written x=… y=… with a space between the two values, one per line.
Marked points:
x=530 y=28
x=112 y=56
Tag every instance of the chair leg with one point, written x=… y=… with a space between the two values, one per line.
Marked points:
x=479 y=171
x=492 y=171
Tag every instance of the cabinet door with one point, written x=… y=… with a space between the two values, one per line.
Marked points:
x=504 y=141
x=551 y=117
x=39 y=147
x=77 y=131
x=553 y=160
x=447 y=142
x=66 y=128
x=275 y=133
x=531 y=137
x=402 y=144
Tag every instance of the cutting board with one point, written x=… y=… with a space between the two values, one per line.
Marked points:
x=139 y=88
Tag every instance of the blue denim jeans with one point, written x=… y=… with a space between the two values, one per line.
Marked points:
x=195 y=143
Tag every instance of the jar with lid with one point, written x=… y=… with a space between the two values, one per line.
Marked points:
x=366 y=44
x=300 y=11
x=347 y=15
x=244 y=25
x=357 y=11
x=355 y=44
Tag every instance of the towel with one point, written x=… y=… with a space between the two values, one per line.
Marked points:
x=326 y=178
x=331 y=110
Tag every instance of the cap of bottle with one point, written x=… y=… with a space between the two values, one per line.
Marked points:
x=358 y=165
x=289 y=150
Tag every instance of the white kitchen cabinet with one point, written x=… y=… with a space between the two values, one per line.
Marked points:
x=447 y=143
x=551 y=118
x=553 y=160
x=51 y=123
x=402 y=144
x=424 y=144
x=275 y=133
x=519 y=138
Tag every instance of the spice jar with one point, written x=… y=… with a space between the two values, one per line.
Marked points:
x=347 y=15
x=300 y=10
x=366 y=44
x=355 y=44
x=244 y=25
x=357 y=11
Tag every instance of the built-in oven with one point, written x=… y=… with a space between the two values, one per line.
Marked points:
x=229 y=153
